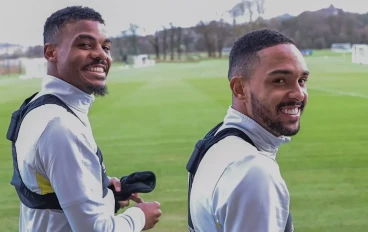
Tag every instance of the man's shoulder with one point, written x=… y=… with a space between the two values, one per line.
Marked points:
x=42 y=122
x=48 y=113
x=230 y=160
x=219 y=156
x=234 y=147
x=245 y=163
x=46 y=117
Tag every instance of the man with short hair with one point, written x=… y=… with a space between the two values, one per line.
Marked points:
x=237 y=185
x=59 y=172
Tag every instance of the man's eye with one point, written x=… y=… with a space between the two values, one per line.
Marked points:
x=85 y=45
x=279 y=81
x=303 y=80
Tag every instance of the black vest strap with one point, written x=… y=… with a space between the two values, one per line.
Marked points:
x=105 y=178
x=200 y=149
x=27 y=197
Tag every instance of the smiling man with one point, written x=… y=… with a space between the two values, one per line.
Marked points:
x=234 y=180
x=59 y=173
x=83 y=55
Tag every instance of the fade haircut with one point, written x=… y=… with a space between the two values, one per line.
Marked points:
x=243 y=55
x=60 y=18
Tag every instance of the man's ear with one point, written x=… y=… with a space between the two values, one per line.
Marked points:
x=49 y=51
x=238 y=86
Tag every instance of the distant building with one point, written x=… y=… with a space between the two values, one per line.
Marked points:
x=307 y=52
x=341 y=47
x=226 y=51
x=10 y=66
x=10 y=49
x=142 y=60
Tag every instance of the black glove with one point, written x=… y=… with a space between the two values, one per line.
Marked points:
x=137 y=182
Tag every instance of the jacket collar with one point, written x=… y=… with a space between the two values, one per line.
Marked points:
x=265 y=142
x=79 y=101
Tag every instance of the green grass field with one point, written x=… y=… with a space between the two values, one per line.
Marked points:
x=153 y=116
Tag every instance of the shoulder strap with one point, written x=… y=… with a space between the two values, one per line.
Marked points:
x=28 y=106
x=16 y=118
x=27 y=197
x=200 y=149
x=203 y=145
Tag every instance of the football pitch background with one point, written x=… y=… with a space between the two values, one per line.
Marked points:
x=153 y=116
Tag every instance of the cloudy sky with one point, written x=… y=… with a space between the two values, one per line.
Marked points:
x=23 y=20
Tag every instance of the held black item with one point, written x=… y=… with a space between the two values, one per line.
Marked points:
x=137 y=182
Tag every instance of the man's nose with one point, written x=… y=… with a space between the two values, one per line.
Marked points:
x=99 y=53
x=297 y=92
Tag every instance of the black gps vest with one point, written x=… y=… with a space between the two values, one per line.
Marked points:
x=26 y=196
x=200 y=149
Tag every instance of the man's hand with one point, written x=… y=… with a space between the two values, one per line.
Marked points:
x=136 y=198
x=116 y=183
x=113 y=181
x=152 y=212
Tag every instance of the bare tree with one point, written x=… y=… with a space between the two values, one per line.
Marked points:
x=134 y=39
x=208 y=32
x=154 y=40
x=164 y=42
x=237 y=11
x=260 y=7
x=172 y=41
x=188 y=39
x=223 y=31
x=202 y=29
x=119 y=48
x=178 y=41
x=248 y=4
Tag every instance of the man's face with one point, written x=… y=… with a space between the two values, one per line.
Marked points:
x=83 y=56
x=277 y=89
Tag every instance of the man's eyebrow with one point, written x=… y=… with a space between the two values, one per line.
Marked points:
x=89 y=37
x=286 y=72
x=85 y=36
x=305 y=73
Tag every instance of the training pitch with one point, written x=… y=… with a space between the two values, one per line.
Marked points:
x=153 y=116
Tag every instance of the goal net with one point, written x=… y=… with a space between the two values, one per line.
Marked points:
x=360 y=54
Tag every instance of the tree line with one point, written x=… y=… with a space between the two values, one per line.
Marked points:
x=310 y=30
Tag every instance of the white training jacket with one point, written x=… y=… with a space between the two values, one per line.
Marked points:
x=238 y=188
x=56 y=152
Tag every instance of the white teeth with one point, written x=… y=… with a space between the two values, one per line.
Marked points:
x=293 y=111
x=95 y=69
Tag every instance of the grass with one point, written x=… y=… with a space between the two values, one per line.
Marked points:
x=153 y=116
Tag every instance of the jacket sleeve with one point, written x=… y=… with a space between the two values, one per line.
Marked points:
x=73 y=170
x=251 y=196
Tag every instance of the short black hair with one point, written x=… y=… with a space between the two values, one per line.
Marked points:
x=58 y=19
x=243 y=56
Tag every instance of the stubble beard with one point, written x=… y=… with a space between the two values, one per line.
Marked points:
x=264 y=116
x=98 y=90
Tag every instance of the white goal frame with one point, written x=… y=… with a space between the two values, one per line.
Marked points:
x=359 y=54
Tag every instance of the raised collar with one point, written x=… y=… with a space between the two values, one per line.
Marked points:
x=266 y=142
x=79 y=101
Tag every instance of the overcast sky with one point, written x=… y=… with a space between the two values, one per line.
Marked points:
x=23 y=20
